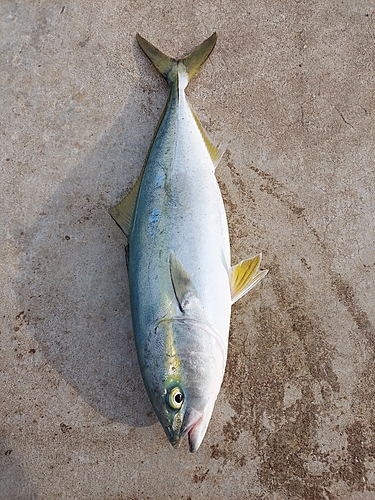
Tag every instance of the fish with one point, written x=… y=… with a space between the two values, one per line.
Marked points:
x=181 y=282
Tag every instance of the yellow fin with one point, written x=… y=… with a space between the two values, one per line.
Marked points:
x=197 y=56
x=123 y=212
x=216 y=152
x=244 y=276
x=167 y=66
x=164 y=64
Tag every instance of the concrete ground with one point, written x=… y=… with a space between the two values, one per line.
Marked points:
x=290 y=87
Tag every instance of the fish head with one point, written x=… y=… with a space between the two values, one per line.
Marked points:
x=185 y=368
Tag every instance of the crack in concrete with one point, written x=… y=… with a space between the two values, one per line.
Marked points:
x=343 y=117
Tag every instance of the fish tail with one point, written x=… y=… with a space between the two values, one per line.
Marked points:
x=198 y=56
x=169 y=67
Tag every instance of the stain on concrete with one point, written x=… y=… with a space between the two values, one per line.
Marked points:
x=346 y=295
x=292 y=349
x=200 y=475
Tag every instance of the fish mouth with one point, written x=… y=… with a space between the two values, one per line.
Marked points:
x=194 y=441
x=190 y=425
x=194 y=438
x=192 y=418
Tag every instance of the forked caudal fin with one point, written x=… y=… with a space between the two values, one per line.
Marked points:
x=167 y=66
x=179 y=72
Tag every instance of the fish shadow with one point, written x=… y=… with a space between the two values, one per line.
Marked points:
x=14 y=480
x=72 y=285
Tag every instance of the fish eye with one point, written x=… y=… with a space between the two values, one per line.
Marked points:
x=175 y=398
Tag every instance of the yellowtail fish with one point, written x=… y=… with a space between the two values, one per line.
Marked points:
x=181 y=282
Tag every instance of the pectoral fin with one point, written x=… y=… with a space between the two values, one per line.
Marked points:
x=182 y=285
x=244 y=276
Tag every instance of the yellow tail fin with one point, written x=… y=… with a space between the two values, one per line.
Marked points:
x=167 y=66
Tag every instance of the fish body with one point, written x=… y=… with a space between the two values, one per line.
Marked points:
x=180 y=279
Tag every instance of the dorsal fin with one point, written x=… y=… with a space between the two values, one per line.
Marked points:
x=244 y=276
x=123 y=212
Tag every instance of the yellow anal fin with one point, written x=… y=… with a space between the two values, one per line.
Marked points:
x=244 y=276
x=123 y=212
x=216 y=152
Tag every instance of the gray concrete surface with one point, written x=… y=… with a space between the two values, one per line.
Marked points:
x=290 y=86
